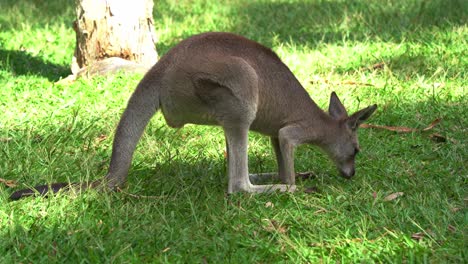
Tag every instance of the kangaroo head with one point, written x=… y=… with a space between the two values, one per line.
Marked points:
x=343 y=144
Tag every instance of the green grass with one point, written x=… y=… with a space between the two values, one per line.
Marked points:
x=51 y=133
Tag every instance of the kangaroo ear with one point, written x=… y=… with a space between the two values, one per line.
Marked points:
x=336 y=108
x=360 y=116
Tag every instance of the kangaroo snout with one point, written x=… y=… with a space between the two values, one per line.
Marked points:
x=347 y=173
x=347 y=170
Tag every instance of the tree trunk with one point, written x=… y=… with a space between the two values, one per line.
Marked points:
x=113 y=29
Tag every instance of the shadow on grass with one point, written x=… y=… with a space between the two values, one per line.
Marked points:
x=313 y=23
x=22 y=63
x=39 y=13
x=410 y=63
x=317 y=22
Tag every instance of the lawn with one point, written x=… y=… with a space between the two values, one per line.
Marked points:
x=407 y=203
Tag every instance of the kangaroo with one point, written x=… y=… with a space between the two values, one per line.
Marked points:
x=228 y=80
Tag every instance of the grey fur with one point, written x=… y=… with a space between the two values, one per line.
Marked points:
x=227 y=80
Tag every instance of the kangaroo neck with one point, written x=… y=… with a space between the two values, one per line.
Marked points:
x=313 y=124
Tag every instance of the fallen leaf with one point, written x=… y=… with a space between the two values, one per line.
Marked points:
x=452 y=228
x=390 y=128
x=379 y=65
x=403 y=129
x=318 y=80
x=417 y=236
x=436 y=137
x=393 y=196
x=319 y=211
x=356 y=83
x=9 y=183
x=269 y=205
x=166 y=249
x=347 y=82
x=433 y=124
x=101 y=138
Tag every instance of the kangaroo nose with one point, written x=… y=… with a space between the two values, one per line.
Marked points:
x=348 y=174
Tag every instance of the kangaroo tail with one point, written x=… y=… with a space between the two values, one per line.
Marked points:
x=44 y=190
x=142 y=105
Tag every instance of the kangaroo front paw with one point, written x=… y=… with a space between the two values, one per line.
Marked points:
x=272 y=188
x=288 y=188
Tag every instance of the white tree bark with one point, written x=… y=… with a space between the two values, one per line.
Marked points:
x=114 y=29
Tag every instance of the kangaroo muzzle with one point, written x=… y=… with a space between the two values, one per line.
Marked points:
x=347 y=170
x=347 y=173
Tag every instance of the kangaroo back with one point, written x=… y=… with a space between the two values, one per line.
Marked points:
x=242 y=66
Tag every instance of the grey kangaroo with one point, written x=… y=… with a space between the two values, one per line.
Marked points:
x=230 y=81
